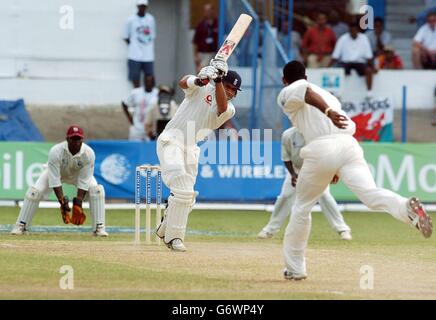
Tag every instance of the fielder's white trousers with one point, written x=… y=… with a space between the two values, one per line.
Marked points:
x=323 y=158
x=286 y=199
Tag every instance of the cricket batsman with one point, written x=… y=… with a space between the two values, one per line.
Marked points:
x=71 y=162
x=292 y=143
x=207 y=105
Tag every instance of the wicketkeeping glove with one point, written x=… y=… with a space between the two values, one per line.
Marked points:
x=79 y=216
x=221 y=66
x=65 y=210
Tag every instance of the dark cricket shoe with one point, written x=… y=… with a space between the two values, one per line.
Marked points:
x=420 y=219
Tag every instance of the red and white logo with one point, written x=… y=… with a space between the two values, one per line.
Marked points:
x=208 y=99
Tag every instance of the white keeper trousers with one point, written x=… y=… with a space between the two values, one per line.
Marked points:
x=323 y=158
x=286 y=199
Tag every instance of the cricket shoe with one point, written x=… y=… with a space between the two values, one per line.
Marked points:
x=176 y=245
x=346 y=235
x=100 y=231
x=294 y=276
x=265 y=235
x=19 y=229
x=420 y=219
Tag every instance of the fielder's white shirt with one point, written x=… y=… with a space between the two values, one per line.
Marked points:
x=197 y=115
x=426 y=36
x=310 y=121
x=141 y=31
x=348 y=49
x=292 y=143
x=64 y=167
x=141 y=101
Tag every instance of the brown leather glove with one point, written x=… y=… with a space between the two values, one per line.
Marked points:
x=79 y=216
x=65 y=210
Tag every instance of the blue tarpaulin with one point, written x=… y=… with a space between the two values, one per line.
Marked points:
x=16 y=124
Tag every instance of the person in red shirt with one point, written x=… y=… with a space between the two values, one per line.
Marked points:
x=389 y=60
x=205 y=41
x=318 y=43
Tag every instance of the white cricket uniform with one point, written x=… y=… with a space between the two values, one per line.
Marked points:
x=140 y=101
x=63 y=167
x=292 y=142
x=178 y=152
x=329 y=151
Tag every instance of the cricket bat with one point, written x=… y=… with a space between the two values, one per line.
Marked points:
x=234 y=37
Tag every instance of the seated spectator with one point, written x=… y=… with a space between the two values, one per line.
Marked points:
x=424 y=45
x=318 y=43
x=160 y=113
x=379 y=37
x=205 y=41
x=339 y=28
x=353 y=51
x=389 y=60
x=135 y=107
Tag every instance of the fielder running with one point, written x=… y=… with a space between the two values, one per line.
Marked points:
x=205 y=108
x=71 y=162
x=292 y=142
x=331 y=150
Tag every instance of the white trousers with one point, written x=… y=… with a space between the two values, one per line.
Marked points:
x=286 y=199
x=179 y=167
x=323 y=158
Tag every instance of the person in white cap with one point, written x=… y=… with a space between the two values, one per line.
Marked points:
x=140 y=34
x=71 y=162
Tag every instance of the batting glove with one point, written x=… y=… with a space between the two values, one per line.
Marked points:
x=220 y=65
x=208 y=72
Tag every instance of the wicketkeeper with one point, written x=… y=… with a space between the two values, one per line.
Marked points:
x=71 y=162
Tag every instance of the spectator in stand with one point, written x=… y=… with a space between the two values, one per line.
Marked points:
x=389 y=60
x=160 y=113
x=424 y=45
x=318 y=43
x=205 y=41
x=339 y=28
x=136 y=106
x=139 y=34
x=379 y=37
x=353 y=51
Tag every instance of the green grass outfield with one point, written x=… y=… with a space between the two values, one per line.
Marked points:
x=224 y=260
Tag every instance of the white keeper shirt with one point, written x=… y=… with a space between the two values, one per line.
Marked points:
x=140 y=101
x=141 y=31
x=197 y=116
x=426 y=36
x=349 y=50
x=308 y=120
x=63 y=167
x=292 y=143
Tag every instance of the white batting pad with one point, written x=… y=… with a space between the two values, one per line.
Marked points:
x=31 y=202
x=96 y=205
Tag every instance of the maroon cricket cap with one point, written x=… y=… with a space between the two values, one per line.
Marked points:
x=75 y=131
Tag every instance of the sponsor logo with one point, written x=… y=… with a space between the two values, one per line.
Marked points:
x=115 y=169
